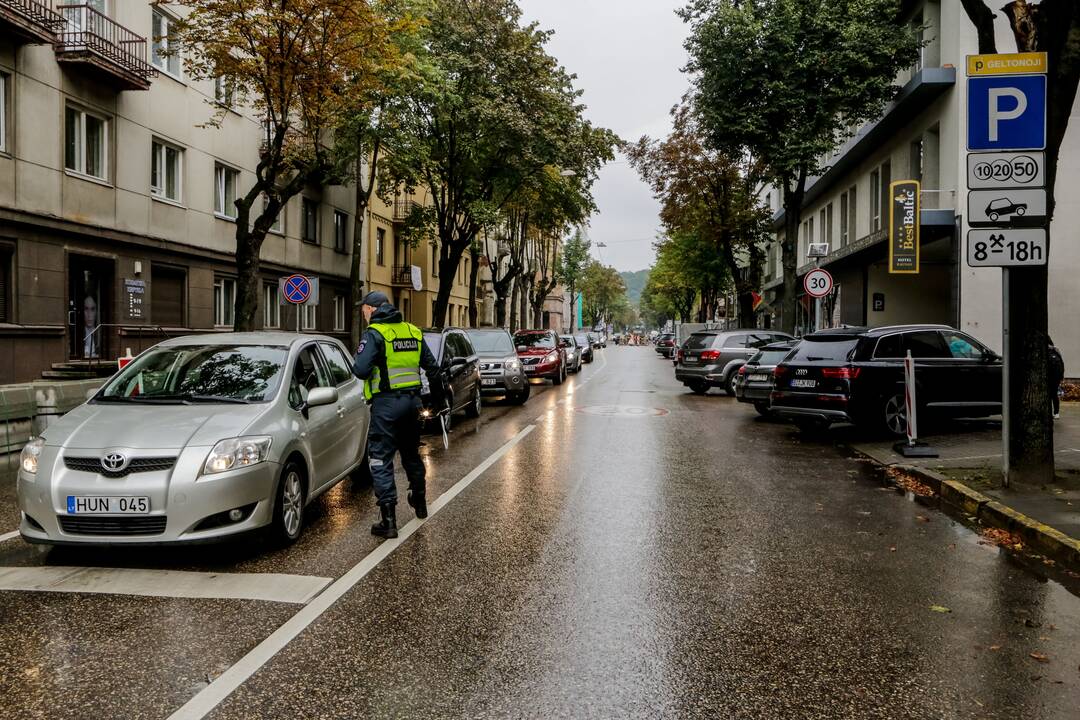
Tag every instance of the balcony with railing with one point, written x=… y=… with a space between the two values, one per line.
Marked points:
x=32 y=21
x=402 y=276
x=403 y=208
x=91 y=38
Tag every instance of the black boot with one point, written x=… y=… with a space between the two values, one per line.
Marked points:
x=387 y=527
x=419 y=503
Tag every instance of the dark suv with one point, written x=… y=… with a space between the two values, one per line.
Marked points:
x=461 y=372
x=712 y=358
x=857 y=375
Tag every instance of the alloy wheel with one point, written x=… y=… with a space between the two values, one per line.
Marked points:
x=292 y=503
x=895 y=412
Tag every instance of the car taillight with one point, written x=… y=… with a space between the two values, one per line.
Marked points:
x=842 y=373
x=710 y=355
x=779 y=370
x=679 y=355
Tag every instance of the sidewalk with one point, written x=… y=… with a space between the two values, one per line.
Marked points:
x=972 y=455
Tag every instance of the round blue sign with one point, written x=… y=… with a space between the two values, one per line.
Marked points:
x=297 y=289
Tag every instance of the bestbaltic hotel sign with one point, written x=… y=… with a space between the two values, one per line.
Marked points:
x=904 y=227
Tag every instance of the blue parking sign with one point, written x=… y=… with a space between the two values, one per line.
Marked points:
x=1007 y=112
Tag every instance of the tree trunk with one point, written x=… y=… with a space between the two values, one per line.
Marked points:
x=356 y=278
x=449 y=259
x=246 y=304
x=573 y=308
x=524 y=312
x=515 y=303
x=474 y=274
x=793 y=202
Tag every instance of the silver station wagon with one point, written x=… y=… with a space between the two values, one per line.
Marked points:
x=199 y=438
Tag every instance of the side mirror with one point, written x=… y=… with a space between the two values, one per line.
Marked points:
x=459 y=362
x=322 y=396
x=522 y=348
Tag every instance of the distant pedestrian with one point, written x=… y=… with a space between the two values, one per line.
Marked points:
x=389 y=360
x=1055 y=373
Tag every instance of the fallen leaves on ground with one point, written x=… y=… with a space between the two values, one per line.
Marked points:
x=909 y=482
x=1001 y=538
x=995 y=648
x=1041 y=657
x=922 y=518
x=940 y=609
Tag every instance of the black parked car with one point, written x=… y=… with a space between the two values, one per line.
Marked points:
x=754 y=383
x=461 y=372
x=665 y=345
x=857 y=375
x=586 y=347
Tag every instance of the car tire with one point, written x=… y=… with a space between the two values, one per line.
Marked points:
x=288 y=519
x=893 y=415
x=699 y=388
x=1021 y=210
x=729 y=383
x=559 y=377
x=762 y=407
x=472 y=410
x=993 y=217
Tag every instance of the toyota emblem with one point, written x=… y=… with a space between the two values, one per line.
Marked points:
x=114 y=462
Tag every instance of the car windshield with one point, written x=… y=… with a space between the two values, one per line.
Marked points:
x=200 y=373
x=569 y=340
x=492 y=342
x=534 y=340
x=827 y=348
x=769 y=357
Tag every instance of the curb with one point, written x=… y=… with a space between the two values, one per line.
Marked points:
x=957 y=497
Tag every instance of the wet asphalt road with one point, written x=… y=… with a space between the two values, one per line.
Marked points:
x=641 y=552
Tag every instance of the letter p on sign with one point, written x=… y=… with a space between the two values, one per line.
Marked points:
x=1007 y=112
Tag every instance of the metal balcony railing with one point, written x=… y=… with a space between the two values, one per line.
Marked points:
x=403 y=208
x=33 y=19
x=402 y=275
x=92 y=37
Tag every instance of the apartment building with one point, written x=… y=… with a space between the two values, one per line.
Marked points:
x=921 y=135
x=116 y=200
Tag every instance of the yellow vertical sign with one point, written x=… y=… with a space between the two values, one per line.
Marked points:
x=904 y=221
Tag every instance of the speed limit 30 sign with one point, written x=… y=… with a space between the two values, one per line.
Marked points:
x=818 y=283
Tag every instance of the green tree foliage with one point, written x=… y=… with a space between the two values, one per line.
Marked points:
x=787 y=80
x=499 y=124
x=602 y=292
x=575 y=258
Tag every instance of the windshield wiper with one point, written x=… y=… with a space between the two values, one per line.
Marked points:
x=216 y=399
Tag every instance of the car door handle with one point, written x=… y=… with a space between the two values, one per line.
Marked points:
x=340 y=411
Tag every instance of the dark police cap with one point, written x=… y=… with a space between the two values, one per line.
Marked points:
x=375 y=299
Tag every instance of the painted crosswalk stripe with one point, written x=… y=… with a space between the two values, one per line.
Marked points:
x=9 y=535
x=272 y=587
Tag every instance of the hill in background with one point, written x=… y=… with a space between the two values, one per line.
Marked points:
x=635 y=283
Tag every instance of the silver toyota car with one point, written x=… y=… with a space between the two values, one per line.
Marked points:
x=198 y=438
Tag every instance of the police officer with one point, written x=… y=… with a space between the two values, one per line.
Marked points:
x=391 y=354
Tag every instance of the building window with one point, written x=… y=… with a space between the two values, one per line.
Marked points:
x=823 y=236
x=271 y=307
x=916 y=165
x=163 y=38
x=844 y=237
x=309 y=221
x=380 y=246
x=225 y=179
x=165 y=170
x=829 y=224
x=279 y=221
x=883 y=201
x=224 y=297
x=7 y=255
x=339 y=313
x=435 y=258
x=341 y=229
x=3 y=111
x=853 y=231
x=308 y=315
x=875 y=201
x=85 y=143
x=224 y=91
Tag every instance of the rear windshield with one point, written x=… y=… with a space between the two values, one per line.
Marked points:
x=824 y=349
x=534 y=340
x=769 y=357
x=699 y=341
x=582 y=340
x=492 y=342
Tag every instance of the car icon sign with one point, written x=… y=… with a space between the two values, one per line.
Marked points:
x=1004 y=206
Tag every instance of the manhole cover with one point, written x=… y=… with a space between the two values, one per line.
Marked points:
x=622 y=411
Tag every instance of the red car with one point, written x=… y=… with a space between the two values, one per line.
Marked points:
x=540 y=354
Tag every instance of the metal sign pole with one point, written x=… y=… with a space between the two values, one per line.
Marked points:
x=1006 y=341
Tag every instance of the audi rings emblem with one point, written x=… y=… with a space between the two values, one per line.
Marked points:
x=114 y=462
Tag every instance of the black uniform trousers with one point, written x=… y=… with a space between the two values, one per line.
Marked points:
x=395 y=427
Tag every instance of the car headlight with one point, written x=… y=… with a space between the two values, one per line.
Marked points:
x=28 y=460
x=236 y=452
x=425 y=413
x=513 y=365
x=551 y=357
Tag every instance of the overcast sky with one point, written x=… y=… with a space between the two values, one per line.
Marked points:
x=627 y=55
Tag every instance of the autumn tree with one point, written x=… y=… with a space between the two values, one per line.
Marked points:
x=1053 y=27
x=296 y=62
x=709 y=194
x=788 y=80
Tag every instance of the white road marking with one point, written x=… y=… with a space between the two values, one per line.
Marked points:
x=272 y=587
x=209 y=697
x=9 y=536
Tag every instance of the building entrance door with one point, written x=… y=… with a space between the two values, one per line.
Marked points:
x=90 y=286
